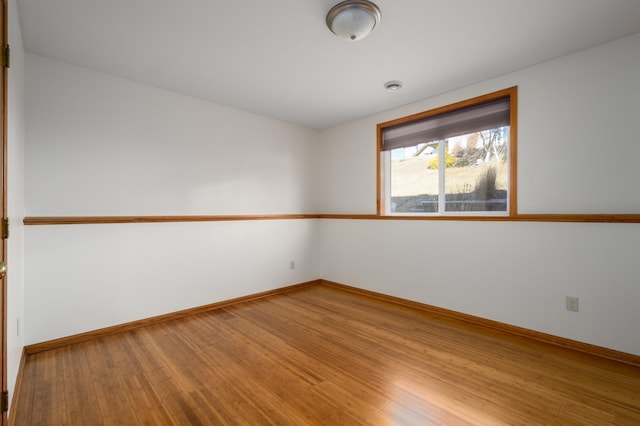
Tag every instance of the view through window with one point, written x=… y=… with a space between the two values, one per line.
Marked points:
x=454 y=160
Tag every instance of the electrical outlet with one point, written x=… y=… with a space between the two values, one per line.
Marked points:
x=292 y=265
x=572 y=304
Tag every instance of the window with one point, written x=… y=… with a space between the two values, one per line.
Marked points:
x=458 y=160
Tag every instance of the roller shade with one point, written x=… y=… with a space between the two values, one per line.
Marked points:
x=489 y=115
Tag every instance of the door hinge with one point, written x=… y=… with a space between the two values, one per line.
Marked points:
x=6 y=56
x=5 y=228
x=4 y=401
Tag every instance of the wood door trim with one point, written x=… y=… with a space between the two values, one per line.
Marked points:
x=3 y=43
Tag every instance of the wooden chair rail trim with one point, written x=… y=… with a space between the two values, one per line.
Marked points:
x=81 y=337
x=86 y=220
x=580 y=218
x=575 y=345
x=586 y=348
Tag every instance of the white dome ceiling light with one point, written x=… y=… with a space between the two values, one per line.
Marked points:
x=353 y=19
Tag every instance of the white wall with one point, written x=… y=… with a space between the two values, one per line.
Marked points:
x=85 y=277
x=100 y=145
x=15 y=200
x=516 y=273
x=578 y=153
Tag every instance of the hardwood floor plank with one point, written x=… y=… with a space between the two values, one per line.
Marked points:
x=584 y=414
x=322 y=356
x=278 y=382
x=81 y=400
x=453 y=366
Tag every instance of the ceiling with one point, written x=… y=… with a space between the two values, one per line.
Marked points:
x=278 y=59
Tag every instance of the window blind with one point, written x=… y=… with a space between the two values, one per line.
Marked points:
x=489 y=115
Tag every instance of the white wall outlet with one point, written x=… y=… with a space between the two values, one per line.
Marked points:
x=292 y=264
x=572 y=304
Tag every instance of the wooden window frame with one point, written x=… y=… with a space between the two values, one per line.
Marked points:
x=512 y=94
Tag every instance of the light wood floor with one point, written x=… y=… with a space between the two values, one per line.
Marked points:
x=325 y=356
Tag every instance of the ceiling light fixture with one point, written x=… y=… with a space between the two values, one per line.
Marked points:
x=393 y=85
x=353 y=19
